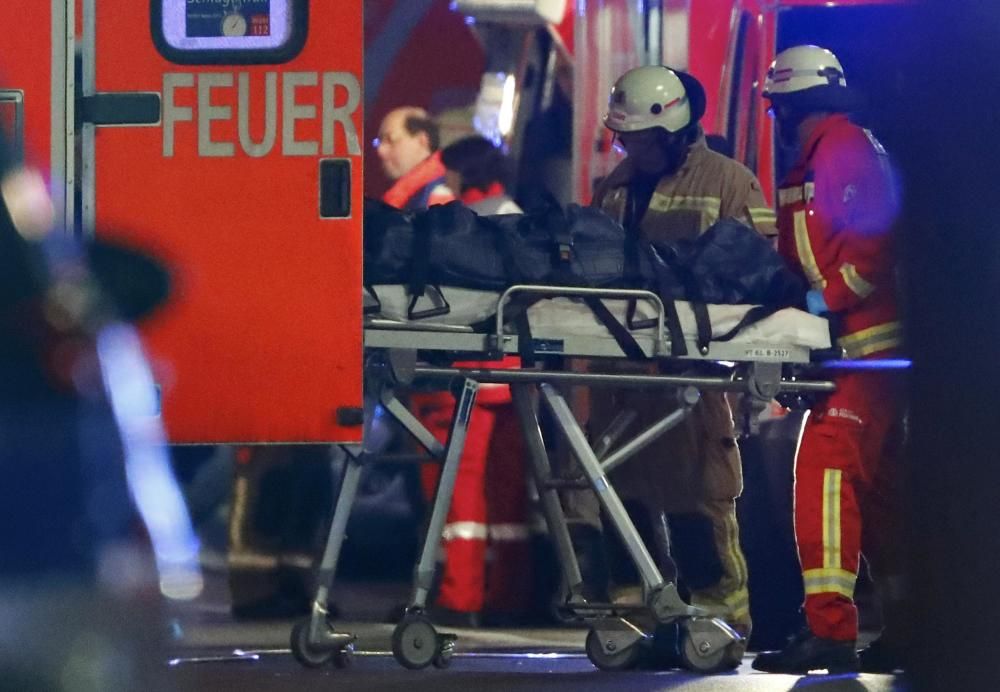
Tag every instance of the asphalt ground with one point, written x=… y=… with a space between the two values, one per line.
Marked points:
x=211 y=651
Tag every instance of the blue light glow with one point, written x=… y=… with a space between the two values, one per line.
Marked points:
x=882 y=364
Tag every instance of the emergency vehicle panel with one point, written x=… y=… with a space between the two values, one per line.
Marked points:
x=229 y=145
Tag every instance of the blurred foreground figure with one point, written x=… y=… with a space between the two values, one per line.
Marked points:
x=949 y=155
x=837 y=207
x=79 y=435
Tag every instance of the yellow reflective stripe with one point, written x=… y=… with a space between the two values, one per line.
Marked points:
x=831 y=518
x=838 y=581
x=872 y=340
x=804 y=249
x=735 y=554
x=662 y=202
x=738 y=605
x=708 y=208
x=737 y=601
x=854 y=281
x=729 y=598
x=762 y=214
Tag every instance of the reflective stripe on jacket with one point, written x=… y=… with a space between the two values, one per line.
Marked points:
x=708 y=187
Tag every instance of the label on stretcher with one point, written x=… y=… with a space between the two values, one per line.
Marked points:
x=775 y=354
x=548 y=345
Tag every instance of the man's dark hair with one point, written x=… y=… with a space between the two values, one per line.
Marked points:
x=478 y=161
x=415 y=124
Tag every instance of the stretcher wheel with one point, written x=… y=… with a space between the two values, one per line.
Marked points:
x=625 y=659
x=306 y=653
x=709 y=661
x=446 y=649
x=415 y=642
x=344 y=658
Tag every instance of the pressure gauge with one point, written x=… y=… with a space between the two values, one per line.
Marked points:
x=234 y=24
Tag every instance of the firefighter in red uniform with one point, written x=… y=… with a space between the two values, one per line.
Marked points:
x=836 y=212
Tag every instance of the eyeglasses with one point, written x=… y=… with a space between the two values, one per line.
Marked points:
x=389 y=138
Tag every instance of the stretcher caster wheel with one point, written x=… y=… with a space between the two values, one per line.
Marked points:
x=624 y=659
x=415 y=642
x=446 y=649
x=702 y=656
x=307 y=654
x=344 y=658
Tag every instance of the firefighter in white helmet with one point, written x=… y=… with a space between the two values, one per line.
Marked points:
x=836 y=211
x=670 y=187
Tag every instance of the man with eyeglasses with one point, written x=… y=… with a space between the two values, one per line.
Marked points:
x=407 y=145
x=671 y=187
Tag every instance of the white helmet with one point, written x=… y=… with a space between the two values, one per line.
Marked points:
x=803 y=67
x=654 y=96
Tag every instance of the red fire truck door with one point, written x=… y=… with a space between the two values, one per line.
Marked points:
x=35 y=70
x=225 y=137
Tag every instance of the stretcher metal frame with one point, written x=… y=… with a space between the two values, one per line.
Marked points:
x=619 y=633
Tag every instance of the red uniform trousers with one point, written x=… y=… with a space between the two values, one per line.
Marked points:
x=846 y=498
x=487 y=546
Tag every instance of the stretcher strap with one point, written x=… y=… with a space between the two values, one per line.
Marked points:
x=525 y=345
x=703 y=324
x=420 y=253
x=753 y=315
x=625 y=340
x=678 y=347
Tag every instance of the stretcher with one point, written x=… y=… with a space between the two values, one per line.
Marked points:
x=769 y=359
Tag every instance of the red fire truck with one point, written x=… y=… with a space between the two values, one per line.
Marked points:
x=226 y=138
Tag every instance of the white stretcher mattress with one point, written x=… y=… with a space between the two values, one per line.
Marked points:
x=787 y=327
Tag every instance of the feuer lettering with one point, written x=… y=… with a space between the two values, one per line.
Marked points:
x=331 y=97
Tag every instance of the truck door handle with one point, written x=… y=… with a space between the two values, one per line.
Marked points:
x=120 y=108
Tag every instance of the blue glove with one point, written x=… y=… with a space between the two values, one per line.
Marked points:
x=815 y=303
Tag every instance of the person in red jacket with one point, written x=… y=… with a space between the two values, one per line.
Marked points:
x=487 y=575
x=836 y=211
x=407 y=145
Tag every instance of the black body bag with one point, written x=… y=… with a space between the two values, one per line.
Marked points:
x=729 y=264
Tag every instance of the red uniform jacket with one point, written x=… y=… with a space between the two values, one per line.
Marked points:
x=422 y=187
x=836 y=211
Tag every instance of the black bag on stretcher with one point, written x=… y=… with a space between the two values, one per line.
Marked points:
x=728 y=264
x=450 y=245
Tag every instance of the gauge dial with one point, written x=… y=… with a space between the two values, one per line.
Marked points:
x=234 y=24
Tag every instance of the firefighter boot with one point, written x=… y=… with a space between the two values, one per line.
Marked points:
x=806 y=652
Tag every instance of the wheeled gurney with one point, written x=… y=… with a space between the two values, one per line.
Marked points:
x=765 y=360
